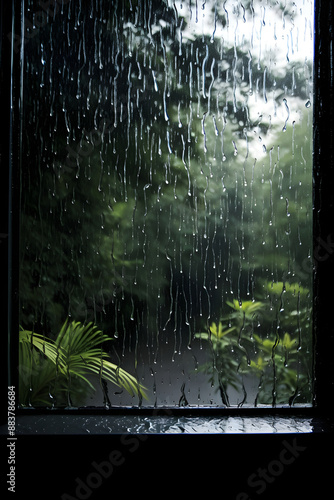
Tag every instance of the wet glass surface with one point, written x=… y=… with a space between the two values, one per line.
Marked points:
x=166 y=198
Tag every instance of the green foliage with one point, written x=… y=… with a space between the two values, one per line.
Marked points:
x=258 y=339
x=155 y=172
x=55 y=372
x=139 y=189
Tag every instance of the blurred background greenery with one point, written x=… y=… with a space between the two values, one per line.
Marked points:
x=166 y=171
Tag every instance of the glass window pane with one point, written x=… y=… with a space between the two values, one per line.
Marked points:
x=166 y=204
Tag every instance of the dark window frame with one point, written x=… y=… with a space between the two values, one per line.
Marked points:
x=323 y=215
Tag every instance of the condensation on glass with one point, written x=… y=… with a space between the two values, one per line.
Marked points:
x=166 y=197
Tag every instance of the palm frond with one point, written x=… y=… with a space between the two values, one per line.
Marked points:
x=75 y=337
x=44 y=345
x=77 y=352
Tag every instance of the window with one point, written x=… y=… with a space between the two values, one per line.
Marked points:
x=165 y=172
x=86 y=471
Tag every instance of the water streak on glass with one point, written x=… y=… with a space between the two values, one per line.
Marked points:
x=166 y=204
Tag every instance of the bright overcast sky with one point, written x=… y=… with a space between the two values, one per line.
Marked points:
x=270 y=30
